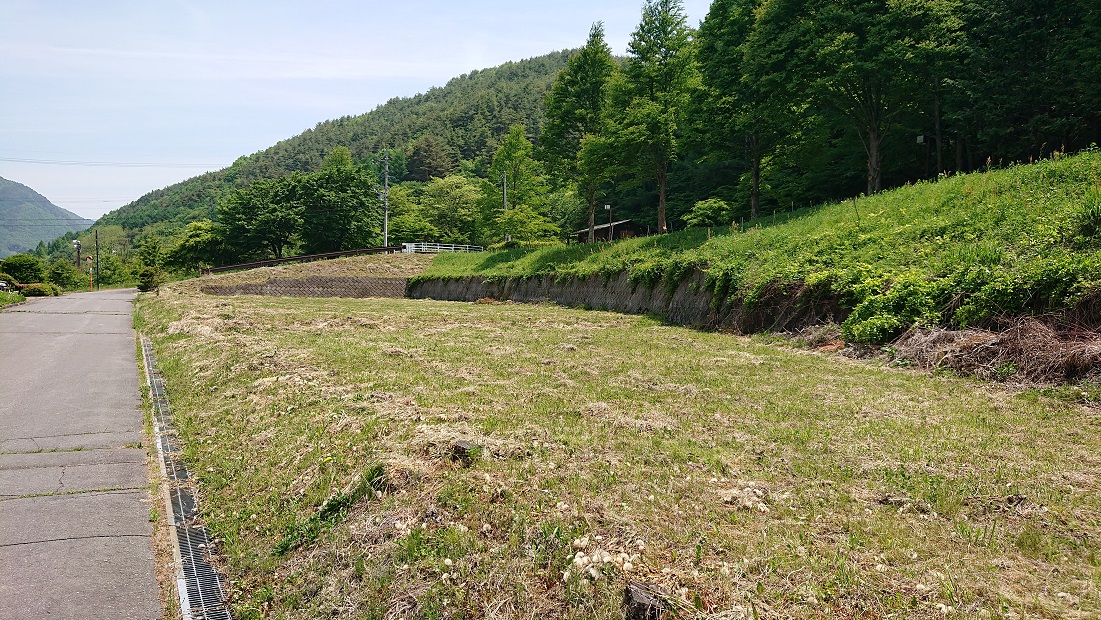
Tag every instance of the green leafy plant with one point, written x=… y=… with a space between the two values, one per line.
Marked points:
x=41 y=290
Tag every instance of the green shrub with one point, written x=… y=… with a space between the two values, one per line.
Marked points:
x=9 y=279
x=710 y=212
x=881 y=317
x=65 y=275
x=150 y=279
x=514 y=244
x=44 y=289
x=24 y=267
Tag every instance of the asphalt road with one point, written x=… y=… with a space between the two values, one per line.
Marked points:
x=75 y=537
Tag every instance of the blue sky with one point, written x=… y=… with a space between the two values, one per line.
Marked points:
x=139 y=95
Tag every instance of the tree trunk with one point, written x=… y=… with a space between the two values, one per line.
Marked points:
x=875 y=162
x=755 y=186
x=663 y=178
x=940 y=134
x=592 y=217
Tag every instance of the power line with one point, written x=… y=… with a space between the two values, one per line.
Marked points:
x=107 y=164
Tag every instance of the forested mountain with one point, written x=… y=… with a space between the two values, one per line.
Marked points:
x=27 y=217
x=466 y=118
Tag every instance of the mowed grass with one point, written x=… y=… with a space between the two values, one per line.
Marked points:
x=747 y=479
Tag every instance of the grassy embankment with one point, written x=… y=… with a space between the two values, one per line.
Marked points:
x=8 y=298
x=958 y=252
x=750 y=481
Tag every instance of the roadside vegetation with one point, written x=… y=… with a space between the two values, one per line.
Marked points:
x=747 y=480
x=8 y=298
x=962 y=251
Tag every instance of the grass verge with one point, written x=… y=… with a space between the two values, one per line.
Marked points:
x=746 y=479
x=8 y=298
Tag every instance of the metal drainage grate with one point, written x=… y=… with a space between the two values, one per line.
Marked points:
x=201 y=594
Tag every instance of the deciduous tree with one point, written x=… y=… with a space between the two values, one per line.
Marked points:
x=575 y=110
x=651 y=101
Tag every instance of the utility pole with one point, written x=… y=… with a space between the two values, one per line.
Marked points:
x=97 y=259
x=504 y=197
x=386 y=202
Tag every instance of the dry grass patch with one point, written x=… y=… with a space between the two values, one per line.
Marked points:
x=368 y=266
x=747 y=480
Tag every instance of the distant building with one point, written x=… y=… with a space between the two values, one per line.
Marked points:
x=623 y=229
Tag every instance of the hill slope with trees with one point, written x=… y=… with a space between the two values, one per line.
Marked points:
x=769 y=106
x=459 y=122
x=28 y=218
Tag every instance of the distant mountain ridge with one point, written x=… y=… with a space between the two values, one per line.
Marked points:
x=27 y=217
x=468 y=115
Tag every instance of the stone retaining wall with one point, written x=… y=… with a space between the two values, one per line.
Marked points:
x=315 y=286
x=689 y=303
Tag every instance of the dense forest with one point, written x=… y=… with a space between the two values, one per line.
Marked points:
x=768 y=105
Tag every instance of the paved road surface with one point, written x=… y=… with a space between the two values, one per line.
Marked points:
x=74 y=503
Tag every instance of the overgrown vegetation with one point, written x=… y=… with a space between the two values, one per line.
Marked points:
x=742 y=477
x=962 y=251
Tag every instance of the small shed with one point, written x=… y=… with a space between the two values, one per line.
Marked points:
x=623 y=229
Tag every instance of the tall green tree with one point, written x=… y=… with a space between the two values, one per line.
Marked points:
x=261 y=218
x=575 y=109
x=1030 y=77
x=863 y=59
x=728 y=115
x=341 y=209
x=201 y=242
x=450 y=205
x=429 y=158
x=516 y=171
x=408 y=219
x=651 y=100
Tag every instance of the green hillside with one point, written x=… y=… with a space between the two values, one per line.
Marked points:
x=964 y=250
x=467 y=116
x=27 y=217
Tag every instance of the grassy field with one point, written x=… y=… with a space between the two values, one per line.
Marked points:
x=748 y=479
x=956 y=252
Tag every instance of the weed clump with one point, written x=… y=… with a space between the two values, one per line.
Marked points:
x=332 y=512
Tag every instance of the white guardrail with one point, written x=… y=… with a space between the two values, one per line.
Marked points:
x=436 y=248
